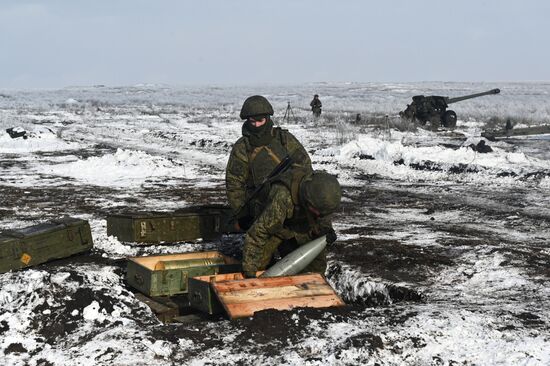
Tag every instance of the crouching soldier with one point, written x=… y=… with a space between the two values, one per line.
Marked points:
x=255 y=155
x=296 y=212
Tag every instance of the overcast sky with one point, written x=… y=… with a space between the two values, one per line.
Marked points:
x=50 y=44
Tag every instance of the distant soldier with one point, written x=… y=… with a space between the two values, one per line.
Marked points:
x=508 y=127
x=316 y=105
x=296 y=211
x=255 y=155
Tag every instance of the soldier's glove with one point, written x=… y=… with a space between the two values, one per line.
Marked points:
x=249 y=274
x=245 y=222
x=331 y=236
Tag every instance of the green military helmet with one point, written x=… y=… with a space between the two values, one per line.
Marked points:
x=322 y=191
x=256 y=105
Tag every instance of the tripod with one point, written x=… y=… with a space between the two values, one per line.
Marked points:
x=289 y=113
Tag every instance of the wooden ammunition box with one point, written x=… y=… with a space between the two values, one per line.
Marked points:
x=206 y=222
x=241 y=297
x=41 y=243
x=150 y=276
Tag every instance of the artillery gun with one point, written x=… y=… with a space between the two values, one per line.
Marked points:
x=433 y=108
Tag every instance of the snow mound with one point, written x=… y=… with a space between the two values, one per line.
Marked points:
x=124 y=168
x=38 y=139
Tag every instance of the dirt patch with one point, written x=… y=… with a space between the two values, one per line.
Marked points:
x=437 y=167
x=54 y=202
x=208 y=143
x=54 y=322
x=93 y=151
x=63 y=315
x=529 y=319
x=268 y=326
x=44 y=362
x=15 y=348
x=391 y=260
x=186 y=192
x=94 y=256
x=356 y=288
x=535 y=261
x=11 y=163
x=4 y=326
x=367 y=340
x=273 y=332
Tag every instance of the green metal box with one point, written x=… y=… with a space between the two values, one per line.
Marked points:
x=167 y=275
x=21 y=248
x=206 y=222
x=201 y=295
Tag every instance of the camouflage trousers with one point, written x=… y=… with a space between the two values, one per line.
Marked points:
x=260 y=257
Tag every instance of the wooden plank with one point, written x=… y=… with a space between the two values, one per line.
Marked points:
x=239 y=285
x=272 y=293
x=224 y=276
x=242 y=310
x=242 y=298
x=220 y=277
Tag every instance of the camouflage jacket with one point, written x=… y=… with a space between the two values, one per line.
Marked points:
x=248 y=166
x=282 y=219
x=315 y=104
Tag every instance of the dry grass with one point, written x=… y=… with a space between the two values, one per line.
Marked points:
x=345 y=127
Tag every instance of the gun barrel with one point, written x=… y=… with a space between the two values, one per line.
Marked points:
x=470 y=96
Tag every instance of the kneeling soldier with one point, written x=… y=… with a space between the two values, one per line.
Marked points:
x=254 y=156
x=295 y=213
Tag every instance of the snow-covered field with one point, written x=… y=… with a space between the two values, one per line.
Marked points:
x=443 y=253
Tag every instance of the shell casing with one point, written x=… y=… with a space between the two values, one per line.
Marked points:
x=187 y=263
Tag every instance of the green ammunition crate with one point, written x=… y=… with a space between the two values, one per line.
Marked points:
x=149 y=276
x=202 y=297
x=206 y=222
x=21 y=248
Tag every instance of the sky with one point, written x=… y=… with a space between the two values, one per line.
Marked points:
x=58 y=43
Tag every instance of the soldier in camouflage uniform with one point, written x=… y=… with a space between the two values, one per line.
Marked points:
x=295 y=213
x=254 y=156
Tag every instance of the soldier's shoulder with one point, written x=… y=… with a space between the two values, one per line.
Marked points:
x=290 y=139
x=286 y=133
x=241 y=143
x=239 y=149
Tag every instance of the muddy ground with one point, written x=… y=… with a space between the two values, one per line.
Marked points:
x=442 y=256
x=407 y=273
